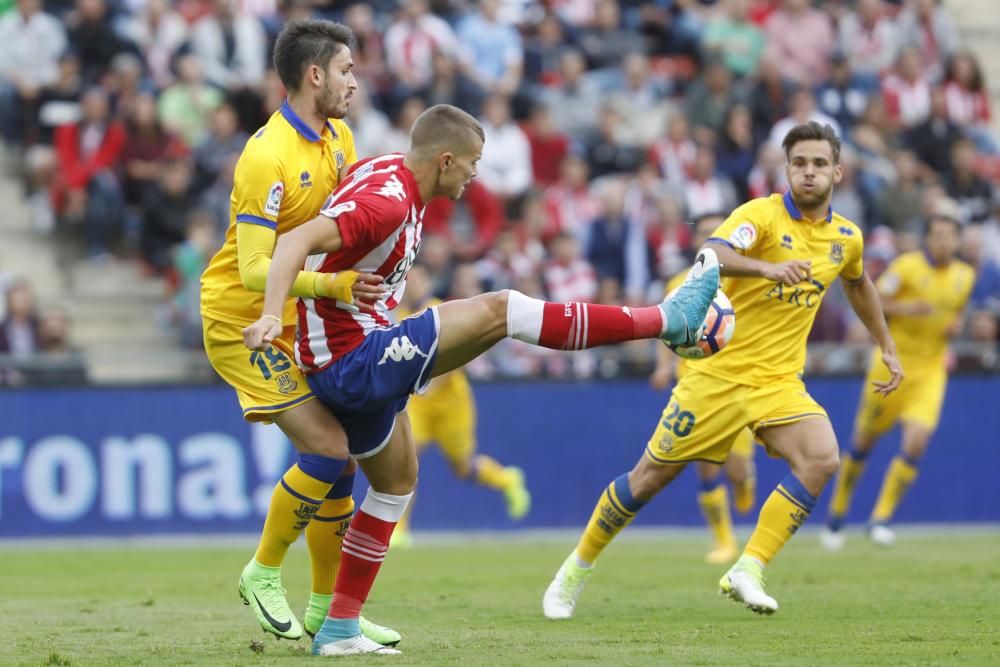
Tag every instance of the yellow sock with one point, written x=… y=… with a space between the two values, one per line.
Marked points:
x=295 y=500
x=783 y=512
x=851 y=468
x=615 y=510
x=324 y=535
x=490 y=473
x=715 y=508
x=898 y=479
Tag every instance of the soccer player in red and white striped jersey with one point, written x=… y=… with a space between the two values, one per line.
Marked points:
x=364 y=370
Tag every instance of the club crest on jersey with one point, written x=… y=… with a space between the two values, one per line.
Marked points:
x=338 y=157
x=304 y=181
x=274 y=196
x=837 y=252
x=401 y=349
x=286 y=384
x=743 y=236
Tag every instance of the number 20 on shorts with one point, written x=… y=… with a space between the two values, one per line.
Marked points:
x=680 y=422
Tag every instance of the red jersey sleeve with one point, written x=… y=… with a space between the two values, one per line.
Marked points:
x=366 y=217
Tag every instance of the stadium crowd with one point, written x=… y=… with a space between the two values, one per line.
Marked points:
x=610 y=126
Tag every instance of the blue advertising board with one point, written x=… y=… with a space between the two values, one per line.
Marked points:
x=172 y=460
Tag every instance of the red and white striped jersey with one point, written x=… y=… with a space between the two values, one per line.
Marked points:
x=378 y=211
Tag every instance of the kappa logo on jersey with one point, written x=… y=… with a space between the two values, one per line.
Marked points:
x=743 y=236
x=340 y=209
x=401 y=349
x=393 y=189
x=273 y=204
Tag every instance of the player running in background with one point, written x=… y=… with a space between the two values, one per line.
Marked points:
x=285 y=173
x=364 y=369
x=924 y=294
x=780 y=254
x=446 y=414
x=713 y=497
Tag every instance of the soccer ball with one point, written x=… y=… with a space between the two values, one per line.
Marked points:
x=720 y=323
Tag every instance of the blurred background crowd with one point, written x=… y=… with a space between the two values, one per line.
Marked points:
x=610 y=127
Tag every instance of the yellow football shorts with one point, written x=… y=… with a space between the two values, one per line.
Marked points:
x=266 y=382
x=917 y=400
x=706 y=416
x=447 y=418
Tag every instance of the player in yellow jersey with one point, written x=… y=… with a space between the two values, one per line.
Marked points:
x=924 y=294
x=780 y=254
x=285 y=173
x=446 y=414
x=713 y=499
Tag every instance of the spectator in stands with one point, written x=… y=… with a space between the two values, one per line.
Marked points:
x=147 y=144
x=19 y=328
x=165 y=212
x=568 y=276
x=640 y=102
x=368 y=52
x=669 y=239
x=608 y=151
x=847 y=200
x=570 y=204
x=769 y=98
x=616 y=244
x=984 y=304
x=972 y=192
x=800 y=40
x=673 y=155
x=844 y=96
x=907 y=91
x=213 y=153
x=709 y=99
x=967 y=99
x=450 y=85
x=606 y=43
x=768 y=174
x=87 y=191
x=548 y=146
x=410 y=43
x=201 y=240
x=469 y=224
x=505 y=167
x=803 y=110
x=733 y=38
x=573 y=103
x=31 y=42
x=543 y=50
x=59 y=102
x=397 y=139
x=504 y=262
x=867 y=36
x=159 y=32
x=735 y=152
x=926 y=25
x=186 y=106
x=93 y=37
x=705 y=190
x=899 y=203
x=493 y=47
x=932 y=139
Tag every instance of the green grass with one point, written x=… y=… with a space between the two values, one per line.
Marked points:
x=931 y=600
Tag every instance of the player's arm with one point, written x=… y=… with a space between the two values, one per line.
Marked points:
x=740 y=237
x=665 y=370
x=864 y=299
x=889 y=285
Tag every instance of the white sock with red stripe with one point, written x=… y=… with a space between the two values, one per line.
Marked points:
x=578 y=326
x=364 y=549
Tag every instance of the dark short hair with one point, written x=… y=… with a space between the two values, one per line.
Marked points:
x=812 y=131
x=305 y=42
x=947 y=219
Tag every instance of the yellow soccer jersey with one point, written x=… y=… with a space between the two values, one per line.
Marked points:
x=284 y=175
x=923 y=340
x=773 y=320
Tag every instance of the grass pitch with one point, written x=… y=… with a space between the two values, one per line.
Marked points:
x=934 y=599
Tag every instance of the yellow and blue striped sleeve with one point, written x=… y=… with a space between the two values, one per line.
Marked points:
x=258 y=187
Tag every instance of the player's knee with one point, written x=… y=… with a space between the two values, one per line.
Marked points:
x=497 y=303
x=646 y=480
x=826 y=465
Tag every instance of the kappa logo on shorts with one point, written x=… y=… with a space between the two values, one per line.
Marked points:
x=401 y=349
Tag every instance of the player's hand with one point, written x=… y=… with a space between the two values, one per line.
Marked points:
x=919 y=308
x=891 y=362
x=359 y=289
x=258 y=336
x=661 y=377
x=790 y=273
